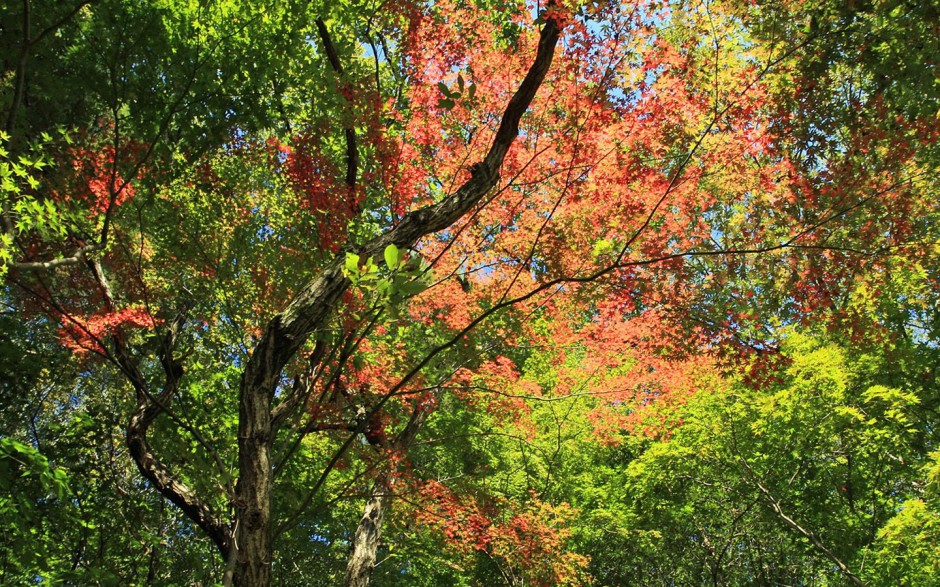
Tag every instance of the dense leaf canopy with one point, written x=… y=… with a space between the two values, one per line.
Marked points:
x=470 y=292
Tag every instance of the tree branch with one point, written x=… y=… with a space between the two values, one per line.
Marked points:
x=76 y=258
x=19 y=83
x=317 y=300
x=794 y=525
x=148 y=408
x=352 y=153
x=301 y=387
x=26 y=46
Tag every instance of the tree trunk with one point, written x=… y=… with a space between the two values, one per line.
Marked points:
x=310 y=309
x=253 y=492
x=369 y=532
x=368 y=535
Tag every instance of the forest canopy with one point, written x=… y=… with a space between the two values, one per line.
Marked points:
x=470 y=292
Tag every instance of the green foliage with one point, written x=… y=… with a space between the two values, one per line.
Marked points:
x=906 y=551
x=30 y=489
x=231 y=126
x=451 y=96
x=837 y=454
x=30 y=214
x=403 y=278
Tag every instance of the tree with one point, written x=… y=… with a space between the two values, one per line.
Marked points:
x=282 y=244
x=806 y=463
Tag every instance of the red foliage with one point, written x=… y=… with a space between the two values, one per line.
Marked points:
x=528 y=537
x=90 y=335
x=92 y=176
x=314 y=175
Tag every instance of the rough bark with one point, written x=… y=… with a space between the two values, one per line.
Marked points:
x=368 y=536
x=253 y=494
x=315 y=303
x=365 y=545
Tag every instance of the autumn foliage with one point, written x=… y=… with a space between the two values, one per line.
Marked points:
x=460 y=285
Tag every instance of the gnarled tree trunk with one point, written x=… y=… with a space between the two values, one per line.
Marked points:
x=368 y=535
x=253 y=492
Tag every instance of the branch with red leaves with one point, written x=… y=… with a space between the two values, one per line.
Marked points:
x=352 y=153
x=317 y=301
x=310 y=308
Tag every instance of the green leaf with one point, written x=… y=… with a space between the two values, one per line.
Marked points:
x=392 y=257
x=602 y=247
x=352 y=262
x=411 y=288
